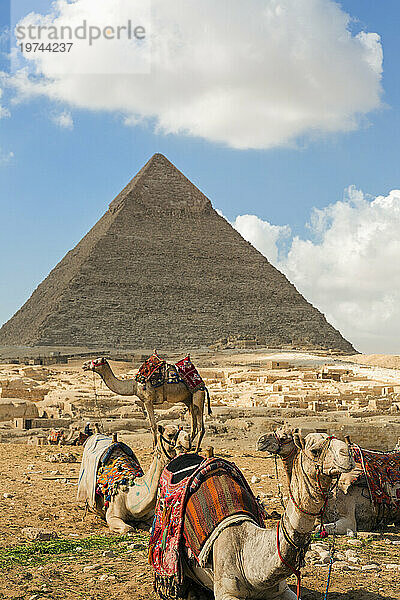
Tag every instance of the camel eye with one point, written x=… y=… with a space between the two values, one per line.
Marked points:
x=315 y=451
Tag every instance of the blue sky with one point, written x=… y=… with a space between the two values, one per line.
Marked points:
x=60 y=180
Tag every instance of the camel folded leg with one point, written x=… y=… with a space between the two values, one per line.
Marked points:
x=342 y=525
x=346 y=517
x=117 y=525
x=280 y=592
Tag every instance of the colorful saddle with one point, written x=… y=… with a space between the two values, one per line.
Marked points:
x=190 y=374
x=156 y=372
x=198 y=498
x=119 y=473
x=150 y=366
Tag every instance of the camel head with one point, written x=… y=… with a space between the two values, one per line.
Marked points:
x=322 y=457
x=167 y=439
x=279 y=441
x=183 y=442
x=95 y=365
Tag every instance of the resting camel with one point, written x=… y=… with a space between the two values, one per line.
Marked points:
x=245 y=559
x=350 y=508
x=136 y=503
x=171 y=393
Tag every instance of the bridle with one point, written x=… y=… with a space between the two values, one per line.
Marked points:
x=319 y=464
x=171 y=442
x=281 y=443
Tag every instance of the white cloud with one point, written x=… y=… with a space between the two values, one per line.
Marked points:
x=349 y=269
x=5 y=157
x=248 y=75
x=63 y=120
x=262 y=235
x=4 y=112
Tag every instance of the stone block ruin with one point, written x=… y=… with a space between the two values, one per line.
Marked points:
x=246 y=390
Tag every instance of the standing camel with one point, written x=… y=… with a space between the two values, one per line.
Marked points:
x=251 y=562
x=171 y=393
x=134 y=503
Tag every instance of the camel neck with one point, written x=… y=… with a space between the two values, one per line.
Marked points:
x=122 y=387
x=306 y=501
x=288 y=461
x=260 y=546
x=142 y=495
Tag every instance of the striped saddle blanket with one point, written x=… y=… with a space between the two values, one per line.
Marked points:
x=197 y=499
x=382 y=472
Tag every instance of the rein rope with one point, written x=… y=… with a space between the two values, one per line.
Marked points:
x=301 y=549
x=99 y=413
x=295 y=571
x=280 y=493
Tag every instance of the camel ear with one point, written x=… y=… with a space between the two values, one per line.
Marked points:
x=160 y=429
x=298 y=439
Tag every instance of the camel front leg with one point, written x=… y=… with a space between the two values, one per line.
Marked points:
x=285 y=593
x=346 y=520
x=198 y=410
x=150 y=412
x=201 y=435
x=193 y=431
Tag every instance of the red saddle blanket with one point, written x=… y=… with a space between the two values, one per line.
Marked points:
x=148 y=368
x=189 y=511
x=189 y=374
x=382 y=471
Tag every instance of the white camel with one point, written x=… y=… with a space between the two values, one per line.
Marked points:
x=170 y=393
x=136 y=503
x=251 y=562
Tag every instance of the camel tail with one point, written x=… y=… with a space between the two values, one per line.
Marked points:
x=208 y=402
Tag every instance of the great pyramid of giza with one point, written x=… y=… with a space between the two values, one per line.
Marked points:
x=162 y=269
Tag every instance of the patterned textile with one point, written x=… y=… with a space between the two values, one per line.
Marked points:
x=150 y=365
x=174 y=529
x=189 y=374
x=172 y=375
x=382 y=470
x=119 y=472
x=56 y=435
x=227 y=497
x=157 y=378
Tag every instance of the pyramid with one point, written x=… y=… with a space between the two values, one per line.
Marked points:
x=162 y=269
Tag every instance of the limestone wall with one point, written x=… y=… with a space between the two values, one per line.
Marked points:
x=12 y=408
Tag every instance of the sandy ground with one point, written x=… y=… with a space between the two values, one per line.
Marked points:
x=81 y=571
